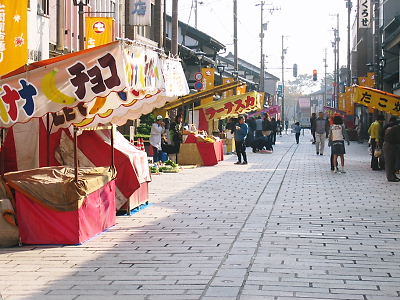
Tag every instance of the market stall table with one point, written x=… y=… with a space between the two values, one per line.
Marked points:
x=210 y=153
x=54 y=209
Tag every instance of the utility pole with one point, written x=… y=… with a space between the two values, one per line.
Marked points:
x=235 y=44
x=235 y=37
x=377 y=46
x=261 y=85
x=283 y=84
x=349 y=6
x=174 y=40
x=195 y=14
x=325 y=66
x=337 y=63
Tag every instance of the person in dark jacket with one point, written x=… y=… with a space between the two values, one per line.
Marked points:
x=390 y=144
x=313 y=125
x=241 y=132
x=274 y=130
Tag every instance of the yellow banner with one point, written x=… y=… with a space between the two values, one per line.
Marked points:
x=230 y=92
x=99 y=31
x=232 y=106
x=208 y=83
x=13 y=35
x=377 y=99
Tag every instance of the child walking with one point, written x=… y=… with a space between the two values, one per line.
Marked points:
x=337 y=135
x=297 y=129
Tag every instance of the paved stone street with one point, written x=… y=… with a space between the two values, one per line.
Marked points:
x=282 y=227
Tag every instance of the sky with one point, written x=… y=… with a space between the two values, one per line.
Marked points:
x=305 y=24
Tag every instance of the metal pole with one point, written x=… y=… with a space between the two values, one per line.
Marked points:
x=48 y=138
x=335 y=85
x=76 y=153
x=2 y=152
x=174 y=46
x=338 y=65
x=195 y=14
x=262 y=49
x=81 y=29
x=377 y=39
x=235 y=43
x=283 y=84
x=235 y=37
x=349 y=6
x=112 y=148
x=325 y=89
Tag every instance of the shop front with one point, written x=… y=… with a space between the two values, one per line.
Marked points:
x=57 y=120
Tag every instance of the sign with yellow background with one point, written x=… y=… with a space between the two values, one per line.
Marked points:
x=232 y=106
x=13 y=35
x=377 y=99
x=229 y=92
x=208 y=83
x=99 y=31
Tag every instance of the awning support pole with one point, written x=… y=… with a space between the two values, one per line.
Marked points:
x=76 y=153
x=48 y=138
x=112 y=147
x=2 y=152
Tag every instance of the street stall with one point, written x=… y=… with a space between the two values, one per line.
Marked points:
x=42 y=103
x=199 y=147
x=227 y=108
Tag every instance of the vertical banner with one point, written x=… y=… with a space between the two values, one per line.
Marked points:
x=208 y=82
x=229 y=92
x=99 y=31
x=364 y=13
x=13 y=35
x=140 y=12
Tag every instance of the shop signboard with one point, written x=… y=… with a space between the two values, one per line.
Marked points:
x=364 y=13
x=377 y=99
x=99 y=31
x=140 y=12
x=13 y=35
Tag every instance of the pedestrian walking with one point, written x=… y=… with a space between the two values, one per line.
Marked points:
x=241 y=132
x=390 y=149
x=279 y=126
x=337 y=136
x=286 y=125
x=375 y=133
x=297 y=130
x=274 y=130
x=312 y=122
x=259 y=127
x=321 y=133
x=157 y=129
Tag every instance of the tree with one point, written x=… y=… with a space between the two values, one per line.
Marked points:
x=301 y=85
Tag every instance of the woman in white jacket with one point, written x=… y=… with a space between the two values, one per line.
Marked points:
x=337 y=136
x=157 y=129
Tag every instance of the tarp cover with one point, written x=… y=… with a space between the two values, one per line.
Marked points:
x=55 y=187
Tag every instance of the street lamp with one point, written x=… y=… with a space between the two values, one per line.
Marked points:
x=81 y=4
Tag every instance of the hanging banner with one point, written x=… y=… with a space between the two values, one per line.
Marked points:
x=208 y=83
x=13 y=35
x=99 y=31
x=229 y=92
x=140 y=12
x=377 y=99
x=364 y=13
x=144 y=79
x=61 y=82
x=232 y=106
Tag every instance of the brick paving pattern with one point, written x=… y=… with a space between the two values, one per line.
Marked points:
x=282 y=227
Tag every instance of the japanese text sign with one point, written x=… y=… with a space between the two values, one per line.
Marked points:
x=232 y=106
x=376 y=99
x=80 y=77
x=13 y=35
x=140 y=12
x=364 y=13
x=99 y=31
